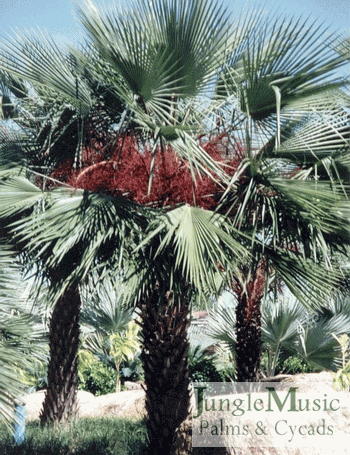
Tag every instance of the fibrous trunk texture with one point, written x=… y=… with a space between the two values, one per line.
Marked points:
x=248 y=327
x=164 y=357
x=248 y=344
x=60 y=402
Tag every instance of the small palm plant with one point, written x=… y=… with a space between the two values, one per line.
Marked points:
x=287 y=325
x=111 y=331
x=342 y=377
x=123 y=347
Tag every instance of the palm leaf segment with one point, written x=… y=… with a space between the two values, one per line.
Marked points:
x=22 y=336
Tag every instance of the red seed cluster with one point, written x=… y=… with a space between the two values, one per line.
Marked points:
x=127 y=171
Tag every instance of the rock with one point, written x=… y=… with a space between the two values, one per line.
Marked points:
x=132 y=385
x=129 y=403
x=34 y=402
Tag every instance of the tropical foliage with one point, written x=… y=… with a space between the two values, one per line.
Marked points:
x=175 y=89
x=342 y=377
x=22 y=335
x=287 y=328
x=202 y=366
x=94 y=376
x=113 y=335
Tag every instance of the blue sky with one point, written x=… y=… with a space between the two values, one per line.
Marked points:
x=58 y=15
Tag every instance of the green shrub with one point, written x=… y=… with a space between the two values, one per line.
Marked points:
x=203 y=370
x=295 y=364
x=97 y=378
x=289 y=363
x=131 y=369
x=202 y=367
x=227 y=372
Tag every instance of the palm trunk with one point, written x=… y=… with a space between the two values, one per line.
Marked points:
x=248 y=327
x=60 y=402
x=118 y=386
x=248 y=344
x=164 y=356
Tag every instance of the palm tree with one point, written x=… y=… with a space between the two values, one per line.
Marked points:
x=165 y=71
x=64 y=293
x=277 y=83
x=283 y=109
x=157 y=276
x=53 y=121
x=162 y=103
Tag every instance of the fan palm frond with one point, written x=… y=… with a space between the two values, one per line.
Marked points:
x=161 y=49
x=309 y=282
x=318 y=344
x=221 y=325
x=290 y=55
x=103 y=312
x=200 y=241
x=70 y=223
x=281 y=322
x=35 y=57
x=319 y=202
